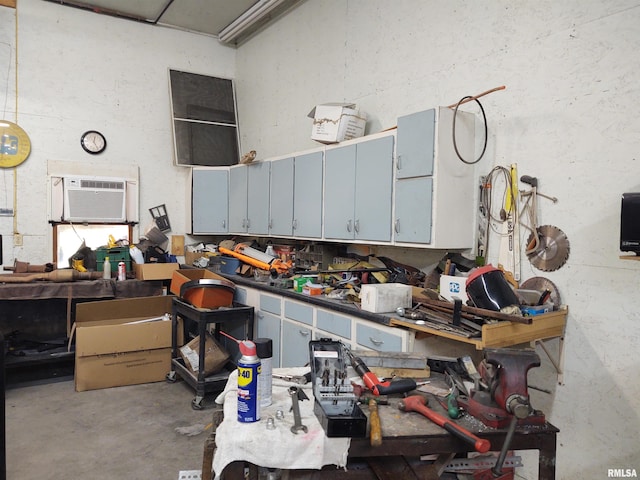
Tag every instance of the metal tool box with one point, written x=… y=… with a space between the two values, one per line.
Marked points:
x=336 y=404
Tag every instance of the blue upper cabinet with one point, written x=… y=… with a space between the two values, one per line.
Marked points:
x=415 y=147
x=307 y=195
x=209 y=200
x=281 y=205
x=358 y=190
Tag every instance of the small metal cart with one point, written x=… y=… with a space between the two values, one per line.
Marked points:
x=231 y=320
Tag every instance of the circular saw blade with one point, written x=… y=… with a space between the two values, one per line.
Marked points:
x=541 y=284
x=552 y=251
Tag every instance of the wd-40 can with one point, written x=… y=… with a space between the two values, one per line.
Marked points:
x=248 y=370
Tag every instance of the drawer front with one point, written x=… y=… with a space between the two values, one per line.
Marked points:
x=299 y=312
x=378 y=339
x=270 y=304
x=330 y=322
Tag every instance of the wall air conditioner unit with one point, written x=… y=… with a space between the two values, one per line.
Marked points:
x=95 y=199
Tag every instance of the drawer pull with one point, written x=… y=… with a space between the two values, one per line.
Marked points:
x=304 y=333
x=376 y=342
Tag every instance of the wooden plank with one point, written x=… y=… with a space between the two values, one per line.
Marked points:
x=504 y=334
x=8 y=3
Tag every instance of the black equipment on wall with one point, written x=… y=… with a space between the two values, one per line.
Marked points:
x=3 y=451
x=630 y=223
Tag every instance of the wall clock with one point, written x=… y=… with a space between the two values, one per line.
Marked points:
x=15 y=145
x=93 y=142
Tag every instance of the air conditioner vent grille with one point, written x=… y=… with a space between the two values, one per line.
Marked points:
x=102 y=184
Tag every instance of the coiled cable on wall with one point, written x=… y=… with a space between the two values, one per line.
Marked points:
x=453 y=130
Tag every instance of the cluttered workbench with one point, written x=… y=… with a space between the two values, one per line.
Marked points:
x=411 y=445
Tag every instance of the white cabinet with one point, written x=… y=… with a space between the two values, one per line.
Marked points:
x=209 y=200
x=357 y=190
x=291 y=324
x=434 y=189
x=249 y=198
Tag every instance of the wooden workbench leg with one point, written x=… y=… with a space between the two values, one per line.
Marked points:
x=210 y=445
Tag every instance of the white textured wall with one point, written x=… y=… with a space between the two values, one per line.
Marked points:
x=79 y=71
x=568 y=117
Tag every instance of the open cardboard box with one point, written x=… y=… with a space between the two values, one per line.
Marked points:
x=155 y=271
x=116 y=345
x=214 y=292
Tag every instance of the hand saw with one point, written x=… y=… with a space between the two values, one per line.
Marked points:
x=509 y=254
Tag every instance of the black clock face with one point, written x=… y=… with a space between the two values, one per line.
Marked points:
x=93 y=142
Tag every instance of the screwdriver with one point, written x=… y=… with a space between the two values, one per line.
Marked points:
x=372 y=382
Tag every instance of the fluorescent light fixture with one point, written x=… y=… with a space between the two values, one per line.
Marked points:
x=250 y=20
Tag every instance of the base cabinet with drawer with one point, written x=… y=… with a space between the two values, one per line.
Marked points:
x=292 y=324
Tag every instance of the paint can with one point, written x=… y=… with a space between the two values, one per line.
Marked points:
x=249 y=367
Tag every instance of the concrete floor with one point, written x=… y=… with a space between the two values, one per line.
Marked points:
x=124 y=433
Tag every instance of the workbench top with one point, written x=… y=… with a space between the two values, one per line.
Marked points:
x=341 y=306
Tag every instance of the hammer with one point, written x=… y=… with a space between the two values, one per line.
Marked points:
x=417 y=403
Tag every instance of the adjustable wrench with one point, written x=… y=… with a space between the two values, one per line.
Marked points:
x=299 y=379
x=297 y=421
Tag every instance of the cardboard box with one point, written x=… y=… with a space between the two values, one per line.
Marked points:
x=191 y=257
x=215 y=356
x=453 y=288
x=385 y=297
x=336 y=122
x=215 y=292
x=116 y=346
x=155 y=271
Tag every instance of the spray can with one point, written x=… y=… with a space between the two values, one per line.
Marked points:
x=122 y=271
x=264 y=349
x=248 y=372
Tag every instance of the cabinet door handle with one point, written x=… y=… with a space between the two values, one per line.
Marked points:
x=270 y=224
x=248 y=223
x=304 y=333
x=260 y=315
x=398 y=167
x=396 y=227
x=295 y=224
x=349 y=226
x=377 y=343
x=356 y=226
x=224 y=224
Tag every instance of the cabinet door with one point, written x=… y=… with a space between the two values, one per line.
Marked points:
x=415 y=148
x=307 y=196
x=295 y=344
x=209 y=201
x=339 y=192
x=258 y=198
x=269 y=327
x=238 y=199
x=282 y=201
x=374 y=181
x=413 y=210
